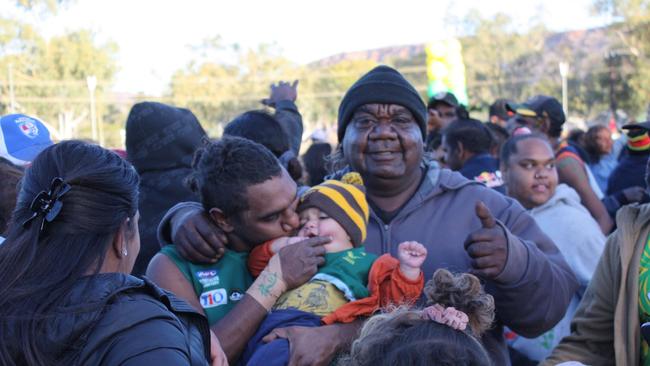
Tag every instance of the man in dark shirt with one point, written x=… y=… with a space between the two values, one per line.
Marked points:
x=630 y=171
x=466 y=144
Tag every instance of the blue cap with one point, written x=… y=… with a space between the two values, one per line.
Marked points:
x=22 y=138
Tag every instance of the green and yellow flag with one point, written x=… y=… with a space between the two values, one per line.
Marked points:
x=445 y=69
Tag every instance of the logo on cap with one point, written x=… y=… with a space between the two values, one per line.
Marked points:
x=27 y=127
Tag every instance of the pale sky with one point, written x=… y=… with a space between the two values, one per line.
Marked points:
x=153 y=35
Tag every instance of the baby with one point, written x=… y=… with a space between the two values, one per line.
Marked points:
x=351 y=283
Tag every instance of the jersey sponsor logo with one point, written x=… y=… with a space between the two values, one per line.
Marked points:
x=214 y=298
x=208 y=278
x=236 y=295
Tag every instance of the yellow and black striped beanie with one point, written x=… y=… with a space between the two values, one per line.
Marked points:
x=343 y=202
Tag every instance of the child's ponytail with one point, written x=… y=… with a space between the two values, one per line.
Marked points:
x=465 y=293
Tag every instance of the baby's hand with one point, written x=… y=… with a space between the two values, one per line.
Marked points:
x=285 y=241
x=411 y=255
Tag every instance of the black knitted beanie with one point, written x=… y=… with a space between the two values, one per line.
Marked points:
x=385 y=85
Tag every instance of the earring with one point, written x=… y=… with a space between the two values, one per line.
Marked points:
x=124 y=252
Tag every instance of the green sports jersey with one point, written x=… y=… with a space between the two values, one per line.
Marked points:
x=218 y=286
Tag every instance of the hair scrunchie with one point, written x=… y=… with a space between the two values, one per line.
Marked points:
x=451 y=317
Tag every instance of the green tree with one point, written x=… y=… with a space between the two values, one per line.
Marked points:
x=49 y=76
x=499 y=59
x=218 y=91
x=323 y=88
x=631 y=51
x=503 y=61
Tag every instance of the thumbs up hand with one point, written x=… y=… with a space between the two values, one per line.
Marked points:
x=487 y=246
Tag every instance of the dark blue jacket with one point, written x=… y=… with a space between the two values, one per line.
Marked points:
x=484 y=168
x=630 y=172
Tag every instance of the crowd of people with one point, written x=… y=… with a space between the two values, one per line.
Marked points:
x=423 y=237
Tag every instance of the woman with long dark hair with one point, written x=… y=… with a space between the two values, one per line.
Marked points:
x=66 y=296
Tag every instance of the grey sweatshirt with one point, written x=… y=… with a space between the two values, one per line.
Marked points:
x=536 y=285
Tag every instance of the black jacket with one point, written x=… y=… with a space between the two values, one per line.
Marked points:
x=630 y=171
x=116 y=319
x=160 y=143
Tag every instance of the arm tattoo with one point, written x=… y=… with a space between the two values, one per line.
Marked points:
x=268 y=282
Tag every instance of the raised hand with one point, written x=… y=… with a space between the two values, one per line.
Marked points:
x=487 y=246
x=282 y=91
x=411 y=253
